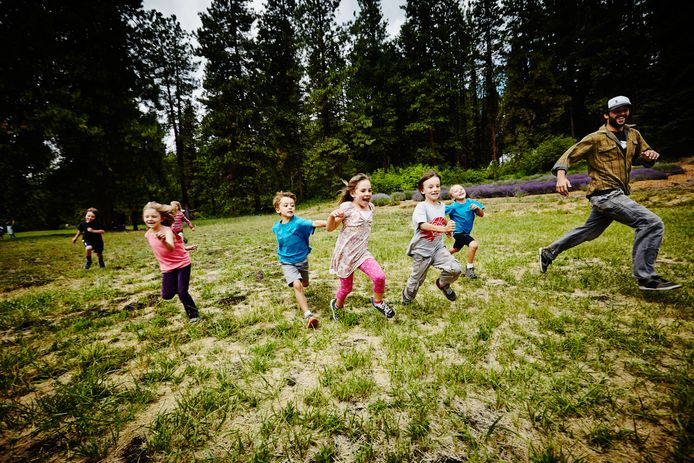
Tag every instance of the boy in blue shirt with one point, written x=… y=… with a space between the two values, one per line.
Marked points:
x=292 y=233
x=463 y=212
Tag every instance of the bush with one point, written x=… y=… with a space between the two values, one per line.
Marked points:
x=542 y=158
x=397 y=197
x=381 y=199
x=398 y=179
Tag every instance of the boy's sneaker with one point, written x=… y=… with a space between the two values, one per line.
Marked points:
x=657 y=283
x=384 y=308
x=87 y=265
x=334 y=308
x=447 y=291
x=311 y=321
x=403 y=299
x=194 y=320
x=544 y=259
x=470 y=273
x=102 y=264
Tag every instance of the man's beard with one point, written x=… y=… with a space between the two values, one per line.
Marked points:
x=613 y=122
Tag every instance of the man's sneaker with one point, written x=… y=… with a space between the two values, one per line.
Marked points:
x=470 y=273
x=544 y=259
x=333 y=308
x=384 y=308
x=311 y=321
x=657 y=283
x=447 y=291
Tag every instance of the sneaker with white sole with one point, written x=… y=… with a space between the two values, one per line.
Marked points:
x=657 y=283
x=470 y=273
x=544 y=259
x=334 y=308
x=383 y=307
x=447 y=291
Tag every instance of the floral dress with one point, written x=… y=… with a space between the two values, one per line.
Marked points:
x=351 y=249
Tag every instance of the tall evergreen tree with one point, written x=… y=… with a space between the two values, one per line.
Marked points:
x=371 y=89
x=72 y=117
x=165 y=58
x=327 y=155
x=278 y=86
x=230 y=163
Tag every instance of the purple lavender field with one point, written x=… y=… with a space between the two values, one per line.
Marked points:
x=546 y=184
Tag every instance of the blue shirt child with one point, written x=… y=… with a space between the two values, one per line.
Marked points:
x=292 y=239
x=462 y=215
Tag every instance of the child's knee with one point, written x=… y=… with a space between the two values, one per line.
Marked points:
x=299 y=285
x=379 y=280
x=474 y=245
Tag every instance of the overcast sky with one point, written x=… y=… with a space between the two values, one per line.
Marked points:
x=186 y=11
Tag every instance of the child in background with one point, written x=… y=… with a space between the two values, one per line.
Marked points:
x=463 y=212
x=355 y=212
x=292 y=233
x=426 y=247
x=172 y=254
x=91 y=230
x=179 y=218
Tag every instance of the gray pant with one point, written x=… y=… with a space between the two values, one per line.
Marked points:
x=442 y=260
x=615 y=205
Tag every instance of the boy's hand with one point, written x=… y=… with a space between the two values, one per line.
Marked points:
x=450 y=227
x=474 y=207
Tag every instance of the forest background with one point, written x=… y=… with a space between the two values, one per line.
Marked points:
x=290 y=99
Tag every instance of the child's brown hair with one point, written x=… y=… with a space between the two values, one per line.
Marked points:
x=282 y=194
x=345 y=194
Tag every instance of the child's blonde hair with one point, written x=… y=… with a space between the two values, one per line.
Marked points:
x=345 y=192
x=165 y=210
x=177 y=205
x=282 y=194
x=458 y=186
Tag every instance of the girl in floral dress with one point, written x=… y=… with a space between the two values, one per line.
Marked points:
x=351 y=250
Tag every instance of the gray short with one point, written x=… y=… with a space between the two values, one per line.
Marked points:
x=293 y=272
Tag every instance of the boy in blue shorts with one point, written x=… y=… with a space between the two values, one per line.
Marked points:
x=463 y=212
x=292 y=233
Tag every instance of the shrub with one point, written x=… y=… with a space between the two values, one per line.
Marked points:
x=398 y=179
x=397 y=197
x=381 y=199
x=542 y=158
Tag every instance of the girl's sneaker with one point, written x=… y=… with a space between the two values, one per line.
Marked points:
x=334 y=308
x=384 y=308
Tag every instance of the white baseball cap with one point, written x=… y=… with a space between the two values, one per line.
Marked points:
x=617 y=102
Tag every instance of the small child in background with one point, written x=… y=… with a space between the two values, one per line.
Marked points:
x=292 y=233
x=426 y=247
x=172 y=254
x=355 y=212
x=463 y=212
x=91 y=229
x=179 y=218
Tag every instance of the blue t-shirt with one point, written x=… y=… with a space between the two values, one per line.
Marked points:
x=462 y=215
x=292 y=239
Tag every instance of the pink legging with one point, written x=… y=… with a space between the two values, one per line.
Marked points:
x=372 y=270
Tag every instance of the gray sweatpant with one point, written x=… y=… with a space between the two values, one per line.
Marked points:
x=441 y=260
x=615 y=205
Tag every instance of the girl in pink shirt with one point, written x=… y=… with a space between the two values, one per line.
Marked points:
x=172 y=255
x=179 y=218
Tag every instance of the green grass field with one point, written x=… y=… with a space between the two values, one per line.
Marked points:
x=574 y=365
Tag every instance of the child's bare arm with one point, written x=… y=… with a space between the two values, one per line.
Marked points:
x=77 y=235
x=192 y=247
x=334 y=219
x=449 y=227
x=477 y=210
x=320 y=223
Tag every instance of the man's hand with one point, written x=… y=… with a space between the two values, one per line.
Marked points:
x=650 y=155
x=563 y=183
